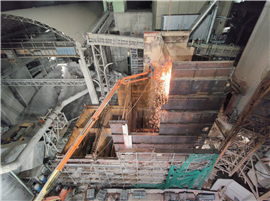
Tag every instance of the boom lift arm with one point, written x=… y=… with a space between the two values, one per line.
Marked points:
x=89 y=125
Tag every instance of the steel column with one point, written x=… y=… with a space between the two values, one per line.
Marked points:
x=88 y=78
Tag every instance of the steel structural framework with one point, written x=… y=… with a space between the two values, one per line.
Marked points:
x=248 y=138
x=217 y=50
x=42 y=82
x=49 y=63
x=138 y=43
x=40 y=49
x=36 y=45
x=125 y=170
x=99 y=62
x=42 y=25
x=104 y=23
x=98 y=52
x=114 y=40
x=53 y=135
x=135 y=62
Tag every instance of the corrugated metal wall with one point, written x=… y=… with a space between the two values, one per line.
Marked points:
x=175 y=22
x=161 y=8
x=254 y=63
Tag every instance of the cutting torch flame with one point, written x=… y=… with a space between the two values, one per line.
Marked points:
x=166 y=77
x=163 y=74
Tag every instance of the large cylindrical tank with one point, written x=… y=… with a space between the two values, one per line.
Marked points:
x=11 y=189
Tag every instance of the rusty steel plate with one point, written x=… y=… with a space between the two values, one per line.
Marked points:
x=193 y=103
x=182 y=129
x=185 y=87
x=166 y=139
x=188 y=117
x=116 y=125
x=158 y=146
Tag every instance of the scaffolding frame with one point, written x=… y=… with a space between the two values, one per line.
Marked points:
x=127 y=169
x=54 y=133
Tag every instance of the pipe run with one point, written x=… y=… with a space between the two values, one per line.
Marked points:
x=5 y=168
x=21 y=182
x=200 y=18
x=214 y=14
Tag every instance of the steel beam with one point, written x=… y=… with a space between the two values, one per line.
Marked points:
x=260 y=143
x=87 y=77
x=42 y=82
x=103 y=23
x=115 y=41
x=40 y=49
x=200 y=18
x=36 y=45
x=216 y=50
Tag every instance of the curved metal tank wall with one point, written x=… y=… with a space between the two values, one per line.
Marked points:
x=254 y=66
x=12 y=189
x=73 y=19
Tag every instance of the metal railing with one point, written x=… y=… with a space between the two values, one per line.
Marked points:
x=115 y=41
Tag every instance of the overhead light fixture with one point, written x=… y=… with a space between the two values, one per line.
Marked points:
x=48 y=30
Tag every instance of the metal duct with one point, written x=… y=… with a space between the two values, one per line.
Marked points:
x=202 y=16
x=5 y=168
x=11 y=189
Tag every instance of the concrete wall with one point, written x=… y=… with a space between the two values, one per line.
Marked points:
x=119 y=58
x=134 y=23
x=129 y=24
x=187 y=7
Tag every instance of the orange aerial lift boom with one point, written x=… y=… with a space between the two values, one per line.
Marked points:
x=89 y=125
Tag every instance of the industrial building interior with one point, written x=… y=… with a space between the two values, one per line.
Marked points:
x=135 y=100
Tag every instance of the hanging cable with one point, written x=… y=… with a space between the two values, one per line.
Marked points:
x=138 y=98
x=169 y=15
x=105 y=147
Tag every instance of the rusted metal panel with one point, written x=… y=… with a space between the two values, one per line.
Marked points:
x=188 y=117
x=183 y=128
x=158 y=146
x=182 y=151
x=197 y=86
x=165 y=139
x=178 y=73
x=116 y=126
x=202 y=69
x=193 y=103
x=202 y=64
x=195 y=89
